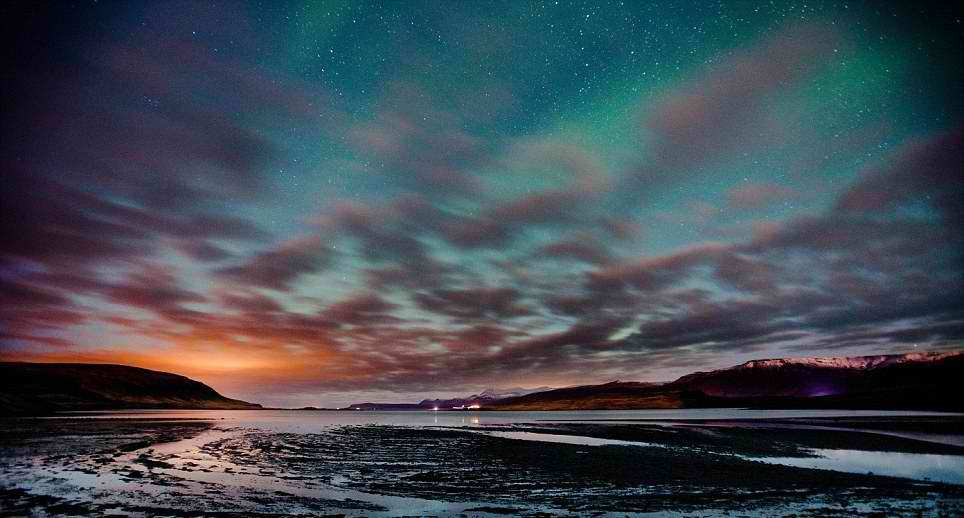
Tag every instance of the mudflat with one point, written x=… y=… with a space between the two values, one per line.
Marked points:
x=213 y=468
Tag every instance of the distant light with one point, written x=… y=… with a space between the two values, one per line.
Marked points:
x=474 y=407
x=435 y=408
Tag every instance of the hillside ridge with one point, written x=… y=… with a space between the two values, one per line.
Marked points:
x=43 y=388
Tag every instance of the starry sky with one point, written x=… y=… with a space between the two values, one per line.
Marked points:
x=320 y=203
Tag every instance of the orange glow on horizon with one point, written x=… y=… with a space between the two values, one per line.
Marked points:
x=233 y=364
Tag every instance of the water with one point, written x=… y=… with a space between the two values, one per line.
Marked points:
x=308 y=421
x=263 y=472
x=571 y=439
x=920 y=466
x=945 y=468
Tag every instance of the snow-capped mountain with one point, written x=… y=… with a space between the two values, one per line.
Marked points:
x=486 y=397
x=900 y=381
x=816 y=377
x=507 y=393
x=929 y=380
x=849 y=362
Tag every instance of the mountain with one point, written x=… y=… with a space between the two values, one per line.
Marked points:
x=486 y=397
x=41 y=388
x=385 y=406
x=511 y=392
x=617 y=395
x=925 y=381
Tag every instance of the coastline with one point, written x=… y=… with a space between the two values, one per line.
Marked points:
x=698 y=466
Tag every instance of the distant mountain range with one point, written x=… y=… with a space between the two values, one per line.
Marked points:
x=918 y=381
x=474 y=401
x=40 y=388
x=925 y=381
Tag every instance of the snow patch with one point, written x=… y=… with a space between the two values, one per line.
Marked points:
x=851 y=362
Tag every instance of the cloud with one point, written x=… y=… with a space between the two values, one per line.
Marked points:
x=131 y=146
x=746 y=273
x=717 y=111
x=726 y=109
x=424 y=234
x=28 y=312
x=584 y=249
x=807 y=277
x=757 y=196
x=361 y=310
x=652 y=273
x=278 y=267
x=425 y=148
x=500 y=222
x=203 y=250
x=862 y=263
x=250 y=304
x=155 y=289
x=473 y=303
x=923 y=169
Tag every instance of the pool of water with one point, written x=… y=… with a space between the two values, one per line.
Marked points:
x=920 y=466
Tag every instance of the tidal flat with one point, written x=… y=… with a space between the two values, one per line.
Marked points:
x=231 y=464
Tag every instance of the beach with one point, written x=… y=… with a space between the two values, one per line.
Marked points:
x=310 y=464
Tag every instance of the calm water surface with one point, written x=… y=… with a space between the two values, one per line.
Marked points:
x=307 y=421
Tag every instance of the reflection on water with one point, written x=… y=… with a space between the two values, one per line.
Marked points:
x=940 y=468
x=305 y=421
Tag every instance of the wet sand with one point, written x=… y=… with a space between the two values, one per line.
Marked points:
x=203 y=468
x=761 y=438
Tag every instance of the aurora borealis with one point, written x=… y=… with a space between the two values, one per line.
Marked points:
x=314 y=203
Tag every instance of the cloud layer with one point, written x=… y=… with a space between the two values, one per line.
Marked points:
x=188 y=197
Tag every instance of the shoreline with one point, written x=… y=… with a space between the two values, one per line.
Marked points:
x=380 y=470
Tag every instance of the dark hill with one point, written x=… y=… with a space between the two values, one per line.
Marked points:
x=41 y=388
x=617 y=395
x=918 y=381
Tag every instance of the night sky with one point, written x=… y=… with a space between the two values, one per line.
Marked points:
x=319 y=203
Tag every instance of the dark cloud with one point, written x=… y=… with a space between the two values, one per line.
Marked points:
x=755 y=196
x=746 y=274
x=203 y=250
x=925 y=170
x=726 y=109
x=473 y=303
x=128 y=148
x=28 y=312
x=651 y=274
x=727 y=323
x=862 y=263
x=719 y=111
x=278 y=267
x=500 y=222
x=155 y=289
x=361 y=310
x=469 y=232
x=584 y=249
x=251 y=304
x=424 y=147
